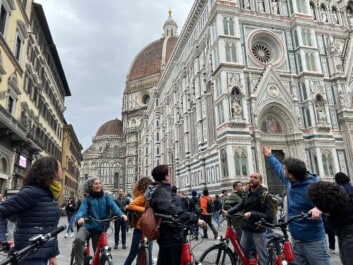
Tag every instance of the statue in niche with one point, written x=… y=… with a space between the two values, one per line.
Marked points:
x=334 y=16
x=271 y=125
x=323 y=14
x=260 y=6
x=233 y=80
x=247 y=4
x=236 y=108
x=275 y=9
x=321 y=116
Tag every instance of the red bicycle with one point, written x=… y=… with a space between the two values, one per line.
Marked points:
x=102 y=255
x=279 y=247
x=187 y=257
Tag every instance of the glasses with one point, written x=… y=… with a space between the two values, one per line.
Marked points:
x=254 y=177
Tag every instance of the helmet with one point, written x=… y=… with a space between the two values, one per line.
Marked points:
x=88 y=184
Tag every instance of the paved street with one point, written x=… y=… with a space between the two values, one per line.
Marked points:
x=119 y=255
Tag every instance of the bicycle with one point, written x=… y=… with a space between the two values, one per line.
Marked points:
x=187 y=257
x=102 y=255
x=143 y=255
x=35 y=242
x=279 y=247
x=221 y=253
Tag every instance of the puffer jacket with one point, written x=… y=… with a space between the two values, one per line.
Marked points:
x=162 y=202
x=306 y=230
x=37 y=213
x=98 y=208
x=252 y=203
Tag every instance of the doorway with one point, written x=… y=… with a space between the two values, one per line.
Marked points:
x=275 y=185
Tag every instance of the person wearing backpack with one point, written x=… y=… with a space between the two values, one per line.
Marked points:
x=207 y=210
x=171 y=235
x=254 y=211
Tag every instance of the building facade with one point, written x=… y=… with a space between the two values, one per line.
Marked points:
x=33 y=88
x=105 y=157
x=244 y=74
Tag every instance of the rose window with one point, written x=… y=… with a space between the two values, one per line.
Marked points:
x=261 y=52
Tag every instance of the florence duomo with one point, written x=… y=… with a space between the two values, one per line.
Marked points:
x=239 y=75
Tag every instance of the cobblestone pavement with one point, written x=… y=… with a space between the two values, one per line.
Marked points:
x=120 y=254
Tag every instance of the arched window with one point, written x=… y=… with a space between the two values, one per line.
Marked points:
x=327 y=163
x=240 y=161
x=230 y=52
x=313 y=10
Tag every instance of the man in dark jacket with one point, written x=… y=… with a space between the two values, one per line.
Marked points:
x=171 y=236
x=121 y=224
x=254 y=211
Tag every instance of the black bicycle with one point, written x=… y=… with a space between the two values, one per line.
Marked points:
x=35 y=242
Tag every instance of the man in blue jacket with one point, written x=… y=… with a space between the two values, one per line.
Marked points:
x=308 y=236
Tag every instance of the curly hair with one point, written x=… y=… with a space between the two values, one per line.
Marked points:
x=328 y=197
x=42 y=172
x=341 y=178
x=142 y=184
x=295 y=167
x=159 y=172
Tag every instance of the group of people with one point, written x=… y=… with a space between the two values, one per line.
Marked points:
x=36 y=210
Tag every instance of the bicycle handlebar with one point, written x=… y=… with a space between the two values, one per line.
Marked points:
x=34 y=243
x=263 y=223
x=90 y=218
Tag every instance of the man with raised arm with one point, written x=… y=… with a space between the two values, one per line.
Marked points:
x=308 y=236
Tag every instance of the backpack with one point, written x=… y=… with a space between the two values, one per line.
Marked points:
x=210 y=206
x=149 y=223
x=274 y=202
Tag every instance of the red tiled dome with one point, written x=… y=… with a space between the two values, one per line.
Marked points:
x=149 y=61
x=113 y=127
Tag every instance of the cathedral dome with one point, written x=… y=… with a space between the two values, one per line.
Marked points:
x=113 y=127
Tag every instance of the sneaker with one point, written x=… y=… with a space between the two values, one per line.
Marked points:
x=72 y=235
x=216 y=236
x=124 y=246
x=66 y=234
x=116 y=246
x=205 y=237
x=332 y=251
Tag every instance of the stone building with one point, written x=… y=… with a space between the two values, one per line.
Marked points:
x=105 y=157
x=33 y=88
x=243 y=74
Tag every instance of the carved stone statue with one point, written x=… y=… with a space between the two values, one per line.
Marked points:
x=236 y=109
x=321 y=116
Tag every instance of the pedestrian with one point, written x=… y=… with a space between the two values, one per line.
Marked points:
x=233 y=199
x=37 y=211
x=344 y=181
x=171 y=236
x=254 y=210
x=135 y=209
x=98 y=205
x=121 y=224
x=184 y=201
x=217 y=210
x=70 y=210
x=308 y=236
x=196 y=209
x=206 y=214
x=224 y=196
x=334 y=201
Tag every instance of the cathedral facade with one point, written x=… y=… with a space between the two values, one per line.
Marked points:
x=245 y=74
x=242 y=74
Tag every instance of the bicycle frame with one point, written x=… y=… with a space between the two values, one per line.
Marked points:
x=233 y=237
x=101 y=245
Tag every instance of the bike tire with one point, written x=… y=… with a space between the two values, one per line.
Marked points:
x=72 y=258
x=271 y=256
x=218 y=255
x=142 y=256
x=106 y=259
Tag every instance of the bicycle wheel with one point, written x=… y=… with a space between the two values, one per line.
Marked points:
x=271 y=255
x=72 y=259
x=142 y=256
x=218 y=255
x=106 y=259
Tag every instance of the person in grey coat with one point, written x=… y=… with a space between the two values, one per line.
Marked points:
x=36 y=210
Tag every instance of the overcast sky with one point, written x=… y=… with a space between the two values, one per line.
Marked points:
x=96 y=42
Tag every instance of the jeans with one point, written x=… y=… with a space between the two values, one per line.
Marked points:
x=120 y=225
x=217 y=218
x=311 y=253
x=33 y=262
x=70 y=221
x=134 y=248
x=169 y=255
x=249 y=239
x=345 y=244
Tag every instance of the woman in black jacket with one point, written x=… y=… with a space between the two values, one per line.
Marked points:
x=333 y=200
x=171 y=236
x=36 y=209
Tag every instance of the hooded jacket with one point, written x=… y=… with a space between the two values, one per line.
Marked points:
x=306 y=230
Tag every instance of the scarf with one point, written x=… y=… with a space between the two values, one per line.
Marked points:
x=55 y=188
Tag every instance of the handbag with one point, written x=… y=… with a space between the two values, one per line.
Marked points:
x=150 y=224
